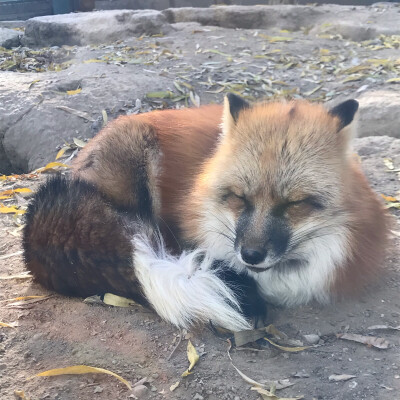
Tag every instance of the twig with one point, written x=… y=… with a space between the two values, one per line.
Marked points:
x=176 y=346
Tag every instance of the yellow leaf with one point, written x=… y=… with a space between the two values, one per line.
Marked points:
x=174 y=386
x=324 y=51
x=61 y=152
x=6 y=325
x=12 y=191
x=389 y=198
x=51 y=166
x=289 y=349
x=3 y=178
x=93 y=60
x=23 y=298
x=11 y=210
x=33 y=82
x=268 y=395
x=20 y=395
x=73 y=92
x=117 y=301
x=393 y=80
x=5 y=197
x=78 y=370
x=193 y=357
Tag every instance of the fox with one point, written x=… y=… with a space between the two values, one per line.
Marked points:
x=212 y=213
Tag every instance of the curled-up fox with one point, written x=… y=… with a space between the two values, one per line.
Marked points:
x=209 y=213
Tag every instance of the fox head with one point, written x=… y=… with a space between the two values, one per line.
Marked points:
x=273 y=193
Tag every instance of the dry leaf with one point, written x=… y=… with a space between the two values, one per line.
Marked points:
x=52 y=166
x=268 y=395
x=17 y=253
x=389 y=163
x=272 y=330
x=78 y=370
x=80 y=143
x=379 y=343
x=11 y=210
x=105 y=117
x=193 y=357
x=5 y=325
x=248 y=336
x=23 y=298
x=338 y=378
x=174 y=386
x=20 y=395
x=73 y=92
x=93 y=60
x=62 y=151
x=80 y=114
x=117 y=301
x=289 y=349
x=20 y=276
x=388 y=327
x=12 y=191
x=389 y=198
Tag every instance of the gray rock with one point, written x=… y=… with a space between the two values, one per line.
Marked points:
x=93 y=27
x=9 y=38
x=379 y=113
x=140 y=391
x=311 y=338
x=251 y=17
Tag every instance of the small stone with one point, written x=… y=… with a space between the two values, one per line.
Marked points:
x=312 y=338
x=198 y=396
x=140 y=390
x=98 y=389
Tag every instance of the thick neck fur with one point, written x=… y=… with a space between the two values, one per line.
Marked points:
x=291 y=157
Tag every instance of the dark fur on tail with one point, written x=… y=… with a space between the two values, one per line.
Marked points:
x=76 y=243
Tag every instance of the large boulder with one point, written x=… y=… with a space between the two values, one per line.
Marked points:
x=93 y=27
x=380 y=113
x=9 y=38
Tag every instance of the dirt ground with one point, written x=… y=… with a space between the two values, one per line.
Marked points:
x=136 y=344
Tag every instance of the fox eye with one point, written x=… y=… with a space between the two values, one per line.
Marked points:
x=234 y=199
x=310 y=202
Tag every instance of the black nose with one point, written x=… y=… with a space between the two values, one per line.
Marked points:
x=253 y=256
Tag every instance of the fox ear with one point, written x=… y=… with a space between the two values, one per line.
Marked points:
x=233 y=105
x=345 y=112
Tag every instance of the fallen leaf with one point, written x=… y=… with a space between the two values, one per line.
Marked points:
x=268 y=395
x=193 y=358
x=20 y=276
x=117 y=301
x=62 y=151
x=389 y=198
x=339 y=378
x=80 y=143
x=379 y=343
x=33 y=82
x=17 y=253
x=73 y=92
x=23 y=298
x=393 y=80
x=51 y=166
x=11 y=210
x=105 y=117
x=388 y=327
x=160 y=95
x=20 y=395
x=174 y=386
x=284 y=348
x=80 y=114
x=78 y=370
x=248 y=336
x=3 y=324
x=93 y=60
x=12 y=191
x=389 y=163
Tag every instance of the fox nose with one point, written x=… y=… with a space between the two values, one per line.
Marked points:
x=253 y=256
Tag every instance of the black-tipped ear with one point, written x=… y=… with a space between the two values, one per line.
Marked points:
x=236 y=104
x=345 y=111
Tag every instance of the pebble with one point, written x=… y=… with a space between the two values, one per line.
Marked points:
x=312 y=338
x=198 y=396
x=98 y=389
x=139 y=390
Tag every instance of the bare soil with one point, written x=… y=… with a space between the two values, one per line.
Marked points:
x=136 y=344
